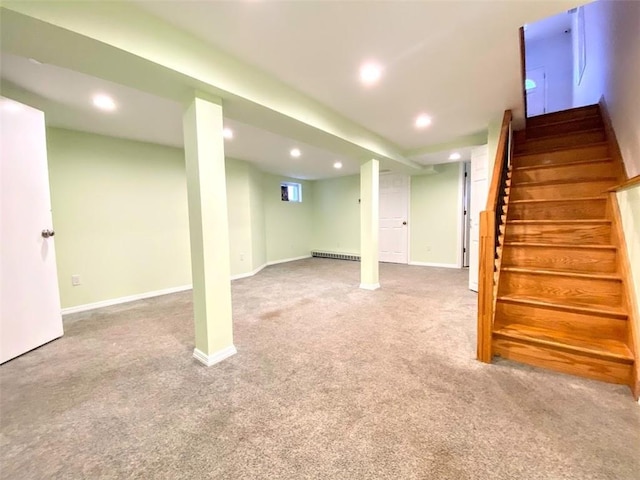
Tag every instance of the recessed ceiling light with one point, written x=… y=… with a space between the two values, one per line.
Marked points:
x=104 y=102
x=295 y=152
x=455 y=156
x=35 y=62
x=370 y=73
x=423 y=120
x=337 y=165
x=227 y=133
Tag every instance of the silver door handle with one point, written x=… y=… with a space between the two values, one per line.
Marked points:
x=48 y=233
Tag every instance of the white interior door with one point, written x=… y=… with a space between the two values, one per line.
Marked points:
x=30 y=312
x=536 y=88
x=479 y=187
x=394 y=218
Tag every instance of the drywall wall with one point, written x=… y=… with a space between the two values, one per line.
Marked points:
x=435 y=219
x=120 y=212
x=239 y=208
x=555 y=55
x=120 y=215
x=288 y=225
x=336 y=215
x=629 y=202
x=256 y=213
x=612 y=69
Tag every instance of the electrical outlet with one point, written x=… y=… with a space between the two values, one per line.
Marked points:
x=75 y=280
x=242 y=257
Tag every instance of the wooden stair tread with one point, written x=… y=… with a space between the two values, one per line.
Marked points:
x=561 y=245
x=564 y=164
x=571 y=199
x=608 y=349
x=560 y=135
x=564 y=181
x=563 y=273
x=560 y=222
x=563 y=121
x=576 y=307
x=570 y=113
x=528 y=153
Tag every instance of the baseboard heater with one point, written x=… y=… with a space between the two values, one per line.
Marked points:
x=337 y=256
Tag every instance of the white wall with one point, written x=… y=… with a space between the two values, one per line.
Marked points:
x=612 y=35
x=555 y=55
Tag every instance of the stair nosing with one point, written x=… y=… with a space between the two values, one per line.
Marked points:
x=560 y=245
x=571 y=120
x=594 y=106
x=559 y=273
x=570 y=199
x=573 y=222
x=566 y=134
x=562 y=149
x=563 y=182
x=565 y=164
x=612 y=312
x=557 y=344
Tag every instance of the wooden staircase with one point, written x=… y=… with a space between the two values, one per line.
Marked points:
x=559 y=298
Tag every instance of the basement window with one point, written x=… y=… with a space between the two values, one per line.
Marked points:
x=291 y=192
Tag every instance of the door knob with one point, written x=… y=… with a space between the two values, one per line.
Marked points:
x=404 y=223
x=48 y=233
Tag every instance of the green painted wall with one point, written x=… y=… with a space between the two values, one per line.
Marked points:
x=336 y=215
x=239 y=208
x=256 y=212
x=120 y=215
x=434 y=222
x=288 y=225
x=120 y=212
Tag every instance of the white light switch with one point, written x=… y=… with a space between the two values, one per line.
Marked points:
x=75 y=280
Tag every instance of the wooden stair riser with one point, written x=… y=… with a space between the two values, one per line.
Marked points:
x=560 y=258
x=560 y=141
x=570 y=233
x=565 y=190
x=586 y=209
x=565 y=322
x=571 y=126
x=591 y=291
x=563 y=116
x=559 y=157
x=563 y=361
x=588 y=171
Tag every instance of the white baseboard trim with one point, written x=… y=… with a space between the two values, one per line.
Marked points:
x=440 y=265
x=285 y=260
x=214 y=358
x=129 y=298
x=370 y=286
x=248 y=274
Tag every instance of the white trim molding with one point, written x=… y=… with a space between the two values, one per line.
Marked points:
x=285 y=260
x=119 y=300
x=439 y=265
x=370 y=286
x=217 y=357
x=248 y=274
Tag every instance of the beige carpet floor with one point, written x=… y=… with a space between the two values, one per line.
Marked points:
x=330 y=382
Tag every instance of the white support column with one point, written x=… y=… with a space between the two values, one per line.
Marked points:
x=209 y=231
x=369 y=224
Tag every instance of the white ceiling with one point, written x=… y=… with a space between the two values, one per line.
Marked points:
x=548 y=27
x=65 y=97
x=457 y=61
